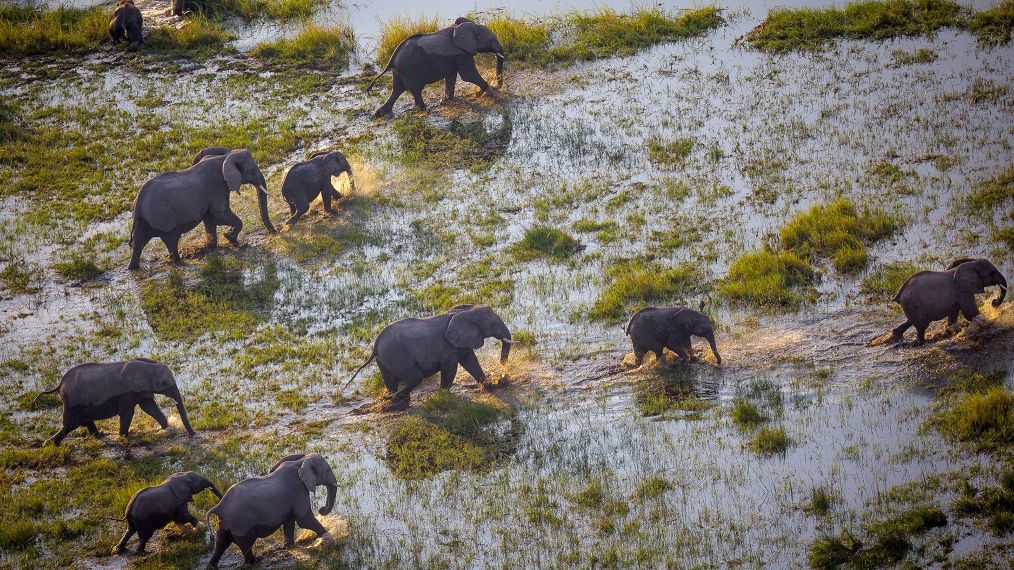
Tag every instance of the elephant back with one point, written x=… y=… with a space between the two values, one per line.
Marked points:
x=261 y=501
x=92 y=384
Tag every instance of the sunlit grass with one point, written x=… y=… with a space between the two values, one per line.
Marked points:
x=838 y=231
x=993 y=26
x=313 y=45
x=394 y=31
x=767 y=278
x=635 y=284
x=546 y=242
x=248 y=10
x=25 y=30
x=197 y=37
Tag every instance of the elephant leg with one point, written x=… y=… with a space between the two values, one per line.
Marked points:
x=140 y=239
x=310 y=522
x=298 y=208
x=229 y=218
x=397 y=88
x=920 y=330
x=471 y=365
x=289 y=529
x=149 y=407
x=245 y=544
x=952 y=318
x=967 y=307
x=143 y=536
x=126 y=416
x=223 y=539
x=183 y=516
x=172 y=243
x=122 y=545
x=449 y=82
x=411 y=379
x=419 y=102
x=93 y=429
x=210 y=233
x=325 y=197
x=470 y=74
x=898 y=332
x=447 y=372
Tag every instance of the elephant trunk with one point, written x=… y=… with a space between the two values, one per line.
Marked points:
x=1002 y=282
x=214 y=489
x=505 y=348
x=262 y=204
x=714 y=349
x=352 y=180
x=500 y=57
x=175 y=395
x=332 y=491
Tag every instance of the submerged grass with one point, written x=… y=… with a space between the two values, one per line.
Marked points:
x=768 y=278
x=26 y=30
x=992 y=194
x=993 y=26
x=634 y=284
x=810 y=28
x=770 y=440
x=994 y=504
x=314 y=45
x=889 y=543
x=670 y=394
x=838 y=231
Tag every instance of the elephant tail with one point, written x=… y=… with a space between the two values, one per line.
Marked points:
x=52 y=390
x=390 y=62
x=358 y=370
x=207 y=525
x=109 y=518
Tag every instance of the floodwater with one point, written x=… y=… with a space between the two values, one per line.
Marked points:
x=803 y=127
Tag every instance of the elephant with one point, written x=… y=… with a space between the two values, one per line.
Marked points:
x=651 y=329
x=98 y=391
x=193 y=5
x=422 y=59
x=930 y=296
x=256 y=507
x=173 y=203
x=152 y=508
x=305 y=180
x=127 y=20
x=410 y=350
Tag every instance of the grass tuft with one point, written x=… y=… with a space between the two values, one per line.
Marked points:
x=983 y=419
x=992 y=194
x=770 y=441
x=25 y=30
x=993 y=26
x=669 y=153
x=393 y=32
x=546 y=242
x=767 y=278
x=994 y=504
x=884 y=281
x=746 y=415
x=198 y=37
x=811 y=28
x=838 y=231
x=634 y=284
x=313 y=45
x=249 y=10
x=79 y=266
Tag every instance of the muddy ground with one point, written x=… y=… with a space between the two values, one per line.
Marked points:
x=584 y=441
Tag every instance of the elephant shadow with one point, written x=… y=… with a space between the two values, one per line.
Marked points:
x=680 y=390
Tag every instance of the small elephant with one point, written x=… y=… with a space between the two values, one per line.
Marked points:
x=127 y=20
x=98 y=391
x=426 y=58
x=256 y=507
x=152 y=508
x=305 y=180
x=412 y=349
x=651 y=329
x=173 y=203
x=193 y=5
x=930 y=296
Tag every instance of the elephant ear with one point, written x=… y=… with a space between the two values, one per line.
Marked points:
x=180 y=485
x=440 y=43
x=231 y=168
x=310 y=471
x=463 y=330
x=466 y=37
x=967 y=277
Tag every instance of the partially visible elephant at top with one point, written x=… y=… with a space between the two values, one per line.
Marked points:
x=256 y=507
x=310 y=178
x=410 y=350
x=422 y=59
x=653 y=329
x=127 y=21
x=930 y=296
x=98 y=391
x=174 y=203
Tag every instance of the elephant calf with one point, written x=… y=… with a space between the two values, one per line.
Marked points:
x=98 y=391
x=410 y=350
x=127 y=21
x=256 y=507
x=306 y=180
x=152 y=508
x=930 y=296
x=652 y=329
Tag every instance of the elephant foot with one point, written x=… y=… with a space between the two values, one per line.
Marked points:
x=118 y=550
x=381 y=113
x=396 y=405
x=232 y=239
x=327 y=538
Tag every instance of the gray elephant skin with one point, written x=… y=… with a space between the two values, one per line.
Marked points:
x=308 y=179
x=152 y=508
x=422 y=59
x=98 y=391
x=411 y=350
x=652 y=329
x=256 y=507
x=173 y=203
x=127 y=21
x=930 y=296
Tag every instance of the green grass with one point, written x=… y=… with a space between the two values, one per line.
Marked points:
x=992 y=194
x=838 y=231
x=27 y=31
x=829 y=551
x=282 y=10
x=20 y=277
x=393 y=32
x=217 y=414
x=889 y=543
x=921 y=55
x=820 y=501
x=811 y=28
x=983 y=419
x=746 y=415
x=547 y=243
x=885 y=280
x=993 y=504
x=993 y=26
x=767 y=278
x=634 y=284
x=523 y=40
x=79 y=266
x=770 y=441
x=669 y=153
x=198 y=37
x=652 y=487
x=670 y=393
x=47 y=456
x=313 y=45
x=461 y=146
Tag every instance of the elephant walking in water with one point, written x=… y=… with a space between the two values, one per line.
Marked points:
x=427 y=58
x=930 y=296
x=652 y=329
x=410 y=350
x=173 y=203
x=306 y=180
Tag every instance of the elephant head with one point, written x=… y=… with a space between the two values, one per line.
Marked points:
x=186 y=485
x=334 y=163
x=240 y=168
x=147 y=376
x=313 y=471
x=472 y=324
x=974 y=275
x=699 y=325
x=475 y=38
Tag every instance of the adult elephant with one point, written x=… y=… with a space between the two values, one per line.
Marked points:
x=413 y=349
x=652 y=329
x=256 y=507
x=310 y=178
x=98 y=391
x=422 y=59
x=173 y=203
x=930 y=296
